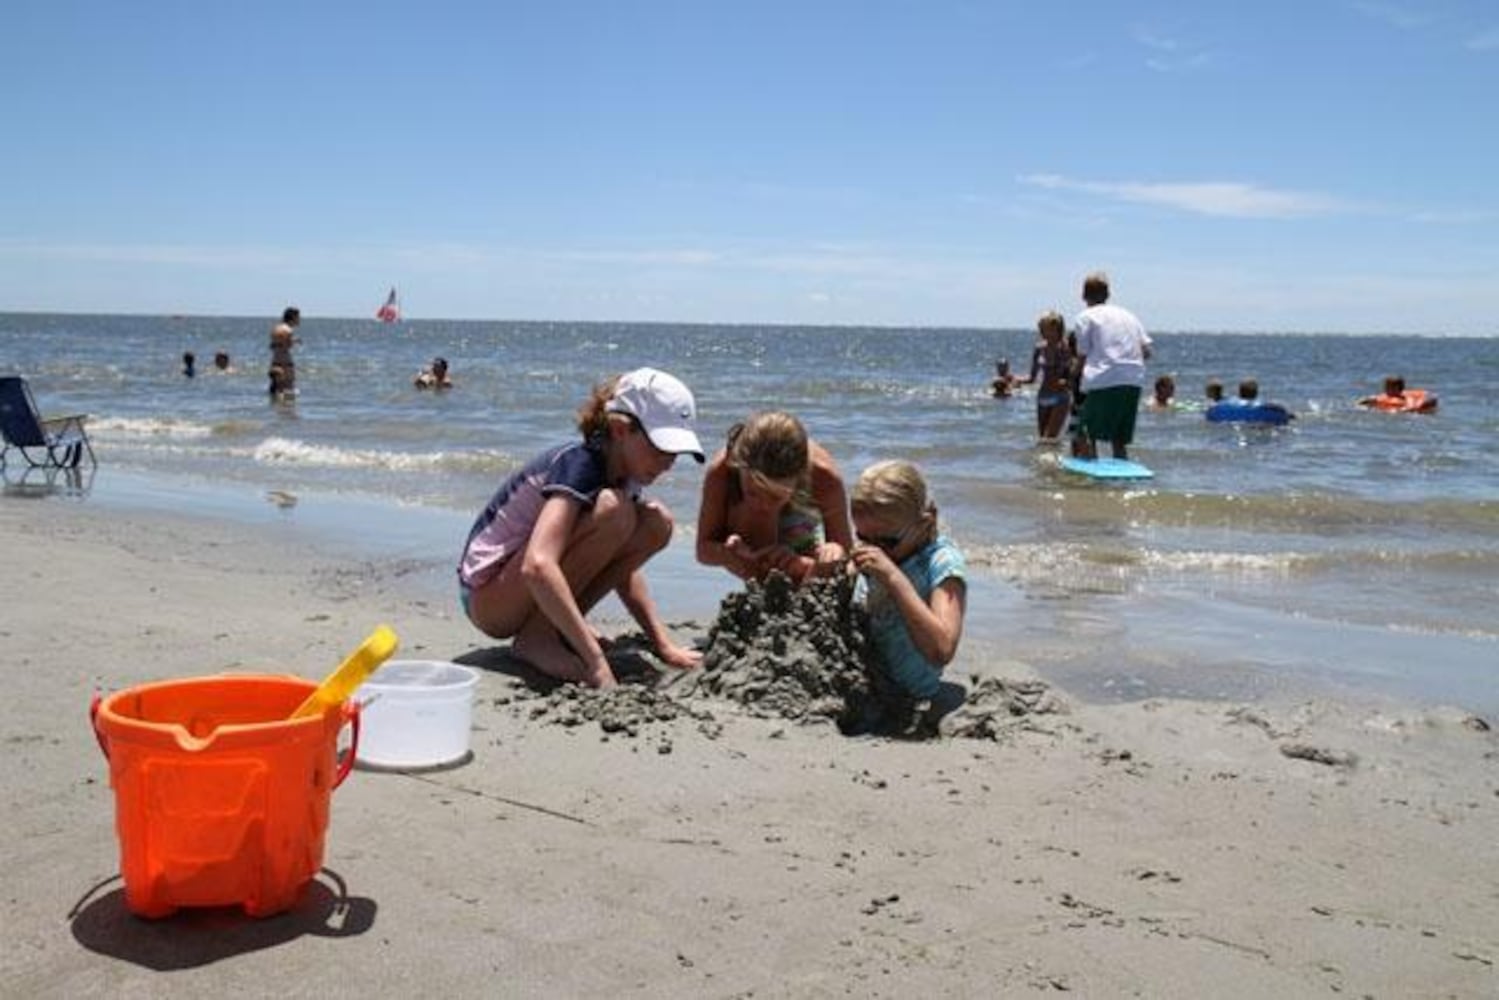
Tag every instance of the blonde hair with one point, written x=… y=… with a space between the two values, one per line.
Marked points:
x=773 y=444
x=894 y=489
x=1051 y=319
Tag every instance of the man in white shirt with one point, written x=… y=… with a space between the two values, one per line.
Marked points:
x=1112 y=347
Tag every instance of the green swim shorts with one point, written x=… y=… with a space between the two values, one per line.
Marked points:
x=1109 y=414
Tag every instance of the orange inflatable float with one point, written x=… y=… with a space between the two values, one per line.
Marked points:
x=1409 y=401
x=1396 y=398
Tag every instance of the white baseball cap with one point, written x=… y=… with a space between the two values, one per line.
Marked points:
x=664 y=408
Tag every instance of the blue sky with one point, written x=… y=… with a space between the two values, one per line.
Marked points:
x=1307 y=165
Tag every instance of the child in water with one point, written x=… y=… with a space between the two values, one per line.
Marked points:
x=434 y=376
x=917 y=590
x=1051 y=366
x=572 y=525
x=1163 y=395
x=1397 y=398
x=1003 y=383
x=773 y=499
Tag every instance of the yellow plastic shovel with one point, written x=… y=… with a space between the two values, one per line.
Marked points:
x=337 y=686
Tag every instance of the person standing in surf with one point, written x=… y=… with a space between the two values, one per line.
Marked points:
x=1051 y=367
x=1112 y=347
x=283 y=371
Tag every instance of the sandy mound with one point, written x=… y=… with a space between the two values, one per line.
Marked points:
x=997 y=705
x=781 y=651
x=790 y=652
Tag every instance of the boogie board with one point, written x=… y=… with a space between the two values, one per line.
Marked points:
x=1106 y=468
x=1232 y=411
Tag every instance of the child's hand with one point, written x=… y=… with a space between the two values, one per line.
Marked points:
x=872 y=561
x=829 y=558
x=780 y=557
x=679 y=657
x=746 y=560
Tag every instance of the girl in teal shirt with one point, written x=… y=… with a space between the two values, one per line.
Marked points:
x=917 y=591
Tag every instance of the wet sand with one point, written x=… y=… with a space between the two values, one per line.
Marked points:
x=672 y=840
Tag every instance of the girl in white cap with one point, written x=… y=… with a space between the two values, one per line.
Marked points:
x=572 y=525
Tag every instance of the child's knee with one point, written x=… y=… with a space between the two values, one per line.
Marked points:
x=615 y=516
x=654 y=526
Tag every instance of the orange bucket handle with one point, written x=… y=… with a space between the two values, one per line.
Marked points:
x=351 y=716
x=93 y=720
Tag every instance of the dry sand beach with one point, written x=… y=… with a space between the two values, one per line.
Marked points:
x=1154 y=849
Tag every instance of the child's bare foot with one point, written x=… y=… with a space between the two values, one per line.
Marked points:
x=539 y=644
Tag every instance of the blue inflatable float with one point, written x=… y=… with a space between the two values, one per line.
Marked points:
x=1238 y=411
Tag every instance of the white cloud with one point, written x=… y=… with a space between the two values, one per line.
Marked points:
x=1151 y=40
x=1226 y=199
x=1452 y=217
x=812 y=261
x=1171 y=55
x=682 y=257
x=1487 y=41
x=1394 y=15
x=1197 y=61
x=147 y=253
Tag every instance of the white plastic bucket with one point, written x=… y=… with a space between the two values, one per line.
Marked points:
x=417 y=714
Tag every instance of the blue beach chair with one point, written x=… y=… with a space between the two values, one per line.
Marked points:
x=61 y=440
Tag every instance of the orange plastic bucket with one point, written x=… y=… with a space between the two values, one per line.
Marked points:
x=219 y=800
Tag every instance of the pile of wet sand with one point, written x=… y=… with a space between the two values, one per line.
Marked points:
x=791 y=652
x=995 y=706
x=782 y=651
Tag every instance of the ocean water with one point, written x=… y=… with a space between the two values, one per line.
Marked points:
x=1351 y=548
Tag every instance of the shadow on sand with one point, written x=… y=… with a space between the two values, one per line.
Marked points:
x=627 y=655
x=191 y=938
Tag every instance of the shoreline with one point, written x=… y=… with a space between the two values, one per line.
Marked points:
x=1156 y=847
x=1104 y=648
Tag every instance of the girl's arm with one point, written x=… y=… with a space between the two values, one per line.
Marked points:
x=542 y=572
x=635 y=595
x=1035 y=368
x=937 y=627
x=831 y=497
x=715 y=546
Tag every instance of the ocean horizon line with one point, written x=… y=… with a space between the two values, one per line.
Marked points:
x=270 y=315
